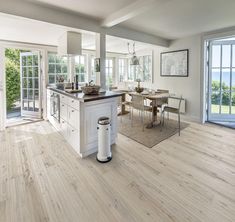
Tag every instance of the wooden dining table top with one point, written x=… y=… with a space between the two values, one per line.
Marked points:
x=152 y=96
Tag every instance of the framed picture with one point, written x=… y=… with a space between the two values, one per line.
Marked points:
x=175 y=63
x=97 y=64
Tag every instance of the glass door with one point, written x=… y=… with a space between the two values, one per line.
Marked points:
x=30 y=84
x=221 y=104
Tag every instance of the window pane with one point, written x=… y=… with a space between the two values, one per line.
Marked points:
x=216 y=56
x=233 y=55
x=24 y=70
x=35 y=60
x=233 y=103
x=51 y=58
x=35 y=71
x=51 y=68
x=30 y=72
x=215 y=102
x=23 y=60
x=36 y=94
x=30 y=83
x=233 y=80
x=226 y=56
x=25 y=94
x=225 y=102
x=25 y=83
x=58 y=68
x=51 y=79
x=215 y=79
x=36 y=83
x=30 y=94
x=226 y=79
x=29 y=60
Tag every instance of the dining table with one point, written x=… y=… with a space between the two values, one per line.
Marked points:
x=156 y=99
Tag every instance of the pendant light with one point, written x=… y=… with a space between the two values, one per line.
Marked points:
x=134 y=58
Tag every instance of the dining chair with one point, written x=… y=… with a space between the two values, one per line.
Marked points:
x=174 y=110
x=126 y=104
x=138 y=103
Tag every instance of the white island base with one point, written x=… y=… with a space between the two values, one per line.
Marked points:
x=78 y=120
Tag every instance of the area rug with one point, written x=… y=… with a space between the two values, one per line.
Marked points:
x=148 y=137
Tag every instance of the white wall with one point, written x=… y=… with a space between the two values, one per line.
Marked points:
x=188 y=87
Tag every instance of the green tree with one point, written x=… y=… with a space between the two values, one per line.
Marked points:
x=12 y=76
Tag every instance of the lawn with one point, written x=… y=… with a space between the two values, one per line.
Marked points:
x=224 y=109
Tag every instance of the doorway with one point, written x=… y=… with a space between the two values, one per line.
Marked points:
x=221 y=82
x=23 y=94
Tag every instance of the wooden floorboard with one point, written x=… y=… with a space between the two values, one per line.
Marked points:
x=188 y=178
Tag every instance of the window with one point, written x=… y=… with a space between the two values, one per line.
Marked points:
x=93 y=73
x=109 y=71
x=122 y=69
x=143 y=71
x=80 y=68
x=147 y=68
x=57 y=68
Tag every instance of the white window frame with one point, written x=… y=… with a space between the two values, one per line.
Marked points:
x=55 y=73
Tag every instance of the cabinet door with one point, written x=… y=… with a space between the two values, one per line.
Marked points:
x=64 y=128
x=74 y=138
x=64 y=111
x=73 y=117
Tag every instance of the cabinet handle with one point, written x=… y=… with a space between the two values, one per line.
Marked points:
x=72 y=130
x=72 y=111
x=62 y=105
x=72 y=101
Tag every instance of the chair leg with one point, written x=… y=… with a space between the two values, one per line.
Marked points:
x=143 y=120
x=162 y=120
x=179 y=122
x=131 y=117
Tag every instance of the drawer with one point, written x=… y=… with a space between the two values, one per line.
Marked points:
x=64 y=128
x=74 y=138
x=74 y=103
x=64 y=111
x=64 y=99
x=73 y=117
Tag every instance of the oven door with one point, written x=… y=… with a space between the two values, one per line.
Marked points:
x=55 y=106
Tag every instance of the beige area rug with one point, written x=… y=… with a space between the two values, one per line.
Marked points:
x=148 y=137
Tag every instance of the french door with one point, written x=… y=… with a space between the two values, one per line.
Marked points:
x=221 y=96
x=30 y=84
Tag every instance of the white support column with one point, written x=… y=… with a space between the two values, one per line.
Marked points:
x=2 y=89
x=101 y=53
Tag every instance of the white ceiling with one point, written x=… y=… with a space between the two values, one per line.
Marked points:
x=30 y=31
x=93 y=8
x=170 y=19
x=181 y=18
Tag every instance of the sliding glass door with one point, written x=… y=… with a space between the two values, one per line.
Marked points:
x=221 y=104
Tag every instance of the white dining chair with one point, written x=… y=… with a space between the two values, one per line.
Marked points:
x=138 y=103
x=169 y=109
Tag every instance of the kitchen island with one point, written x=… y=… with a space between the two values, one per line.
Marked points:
x=75 y=116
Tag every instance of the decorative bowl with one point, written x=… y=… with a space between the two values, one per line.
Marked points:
x=139 y=89
x=91 y=90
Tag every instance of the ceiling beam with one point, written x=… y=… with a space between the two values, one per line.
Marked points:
x=128 y=12
x=29 y=9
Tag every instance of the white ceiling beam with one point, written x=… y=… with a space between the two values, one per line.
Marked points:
x=38 y=12
x=128 y=12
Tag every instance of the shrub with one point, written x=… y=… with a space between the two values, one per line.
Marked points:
x=12 y=76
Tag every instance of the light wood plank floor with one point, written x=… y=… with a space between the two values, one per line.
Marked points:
x=186 y=178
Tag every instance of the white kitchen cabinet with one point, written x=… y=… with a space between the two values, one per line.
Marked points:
x=64 y=111
x=78 y=121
